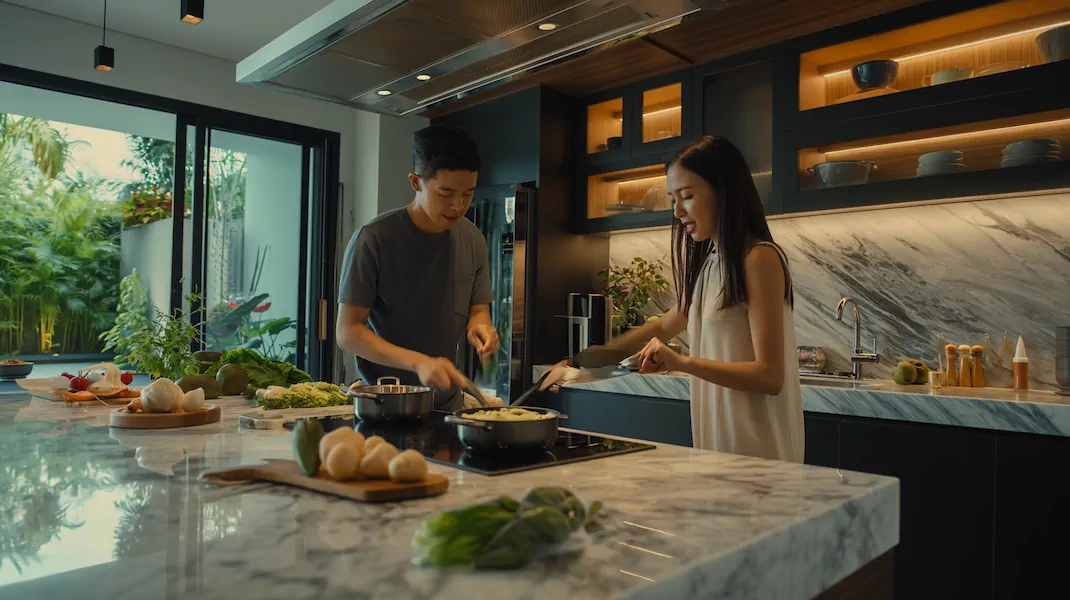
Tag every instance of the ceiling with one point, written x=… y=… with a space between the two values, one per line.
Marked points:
x=231 y=30
x=727 y=28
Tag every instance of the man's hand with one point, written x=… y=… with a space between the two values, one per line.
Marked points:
x=484 y=338
x=440 y=373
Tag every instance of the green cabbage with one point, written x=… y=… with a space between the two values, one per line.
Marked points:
x=262 y=371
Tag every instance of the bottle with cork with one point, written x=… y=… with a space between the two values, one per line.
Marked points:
x=1021 y=366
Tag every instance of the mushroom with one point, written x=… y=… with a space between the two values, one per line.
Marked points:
x=342 y=434
x=376 y=463
x=372 y=442
x=409 y=466
x=342 y=462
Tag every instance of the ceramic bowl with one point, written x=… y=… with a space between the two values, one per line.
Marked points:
x=1021 y=161
x=843 y=172
x=1054 y=44
x=875 y=74
x=615 y=142
x=1000 y=67
x=940 y=157
x=940 y=169
x=1038 y=146
x=15 y=371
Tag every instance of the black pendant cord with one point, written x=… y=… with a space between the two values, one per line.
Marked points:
x=104 y=33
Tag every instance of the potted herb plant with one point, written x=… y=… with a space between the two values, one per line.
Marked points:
x=631 y=288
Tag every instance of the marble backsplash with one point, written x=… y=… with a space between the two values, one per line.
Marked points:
x=963 y=269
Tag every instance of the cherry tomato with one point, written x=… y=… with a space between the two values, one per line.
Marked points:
x=126 y=378
x=79 y=384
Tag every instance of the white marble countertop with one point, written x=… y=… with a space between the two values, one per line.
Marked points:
x=113 y=514
x=998 y=409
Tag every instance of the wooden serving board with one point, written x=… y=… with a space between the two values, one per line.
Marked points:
x=143 y=420
x=362 y=490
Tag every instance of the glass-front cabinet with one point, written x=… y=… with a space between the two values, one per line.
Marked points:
x=605 y=126
x=662 y=115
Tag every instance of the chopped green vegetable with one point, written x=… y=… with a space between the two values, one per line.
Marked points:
x=261 y=371
x=305 y=395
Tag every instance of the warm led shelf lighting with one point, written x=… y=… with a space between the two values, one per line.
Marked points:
x=966 y=45
x=951 y=136
x=638 y=180
x=656 y=112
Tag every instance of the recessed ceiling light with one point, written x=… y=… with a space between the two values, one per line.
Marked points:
x=424 y=77
x=192 y=11
x=548 y=26
x=384 y=92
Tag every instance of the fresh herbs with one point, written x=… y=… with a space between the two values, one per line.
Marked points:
x=165 y=347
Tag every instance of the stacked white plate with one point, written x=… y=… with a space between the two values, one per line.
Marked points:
x=942 y=162
x=1031 y=152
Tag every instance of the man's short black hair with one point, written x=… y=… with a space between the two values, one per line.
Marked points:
x=443 y=147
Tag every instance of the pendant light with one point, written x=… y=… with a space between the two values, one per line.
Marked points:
x=103 y=56
x=192 y=11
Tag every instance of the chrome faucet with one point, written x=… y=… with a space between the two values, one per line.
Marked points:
x=857 y=355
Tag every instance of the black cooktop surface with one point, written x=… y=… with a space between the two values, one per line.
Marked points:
x=438 y=441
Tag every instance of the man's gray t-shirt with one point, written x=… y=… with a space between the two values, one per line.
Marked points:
x=420 y=288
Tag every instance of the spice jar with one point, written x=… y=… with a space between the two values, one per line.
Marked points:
x=952 y=374
x=964 y=367
x=978 y=375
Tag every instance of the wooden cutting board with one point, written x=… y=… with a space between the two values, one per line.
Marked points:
x=143 y=420
x=368 y=490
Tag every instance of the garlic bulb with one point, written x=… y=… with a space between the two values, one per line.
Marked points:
x=193 y=400
x=161 y=396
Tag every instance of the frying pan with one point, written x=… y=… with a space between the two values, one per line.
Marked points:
x=597 y=357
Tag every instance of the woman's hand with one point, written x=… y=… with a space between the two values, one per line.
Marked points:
x=656 y=356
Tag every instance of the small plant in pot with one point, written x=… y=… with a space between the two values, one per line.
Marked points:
x=631 y=288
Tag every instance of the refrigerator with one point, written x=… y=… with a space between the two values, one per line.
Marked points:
x=506 y=216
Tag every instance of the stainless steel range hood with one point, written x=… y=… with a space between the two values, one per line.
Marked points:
x=401 y=56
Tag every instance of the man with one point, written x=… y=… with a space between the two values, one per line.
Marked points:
x=414 y=279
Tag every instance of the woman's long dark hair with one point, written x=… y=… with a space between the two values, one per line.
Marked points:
x=740 y=221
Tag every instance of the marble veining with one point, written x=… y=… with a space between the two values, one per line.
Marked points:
x=962 y=269
x=1038 y=412
x=92 y=521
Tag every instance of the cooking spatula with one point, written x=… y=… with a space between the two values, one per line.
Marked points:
x=598 y=356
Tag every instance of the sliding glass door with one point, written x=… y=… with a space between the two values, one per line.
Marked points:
x=249 y=267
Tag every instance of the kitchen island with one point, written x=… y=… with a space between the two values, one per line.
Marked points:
x=104 y=513
x=979 y=504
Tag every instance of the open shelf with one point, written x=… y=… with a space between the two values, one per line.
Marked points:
x=627 y=192
x=1000 y=34
x=981 y=144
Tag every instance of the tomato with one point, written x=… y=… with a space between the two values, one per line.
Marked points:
x=79 y=384
x=126 y=378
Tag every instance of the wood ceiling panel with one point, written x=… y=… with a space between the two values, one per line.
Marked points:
x=739 y=26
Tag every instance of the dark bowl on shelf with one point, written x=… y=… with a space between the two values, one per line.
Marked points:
x=15 y=371
x=615 y=142
x=875 y=74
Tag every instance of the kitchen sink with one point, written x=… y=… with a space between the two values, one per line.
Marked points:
x=836 y=382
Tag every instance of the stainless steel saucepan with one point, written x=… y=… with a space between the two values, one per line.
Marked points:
x=391 y=401
x=479 y=435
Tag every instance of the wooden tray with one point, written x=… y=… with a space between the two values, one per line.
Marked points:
x=142 y=420
x=366 y=490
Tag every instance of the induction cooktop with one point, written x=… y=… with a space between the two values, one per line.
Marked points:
x=438 y=441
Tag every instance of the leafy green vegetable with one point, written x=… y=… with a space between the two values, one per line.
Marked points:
x=262 y=372
x=455 y=537
x=560 y=499
x=594 y=523
x=516 y=544
x=504 y=533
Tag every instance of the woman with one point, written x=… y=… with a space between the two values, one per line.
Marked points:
x=734 y=298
